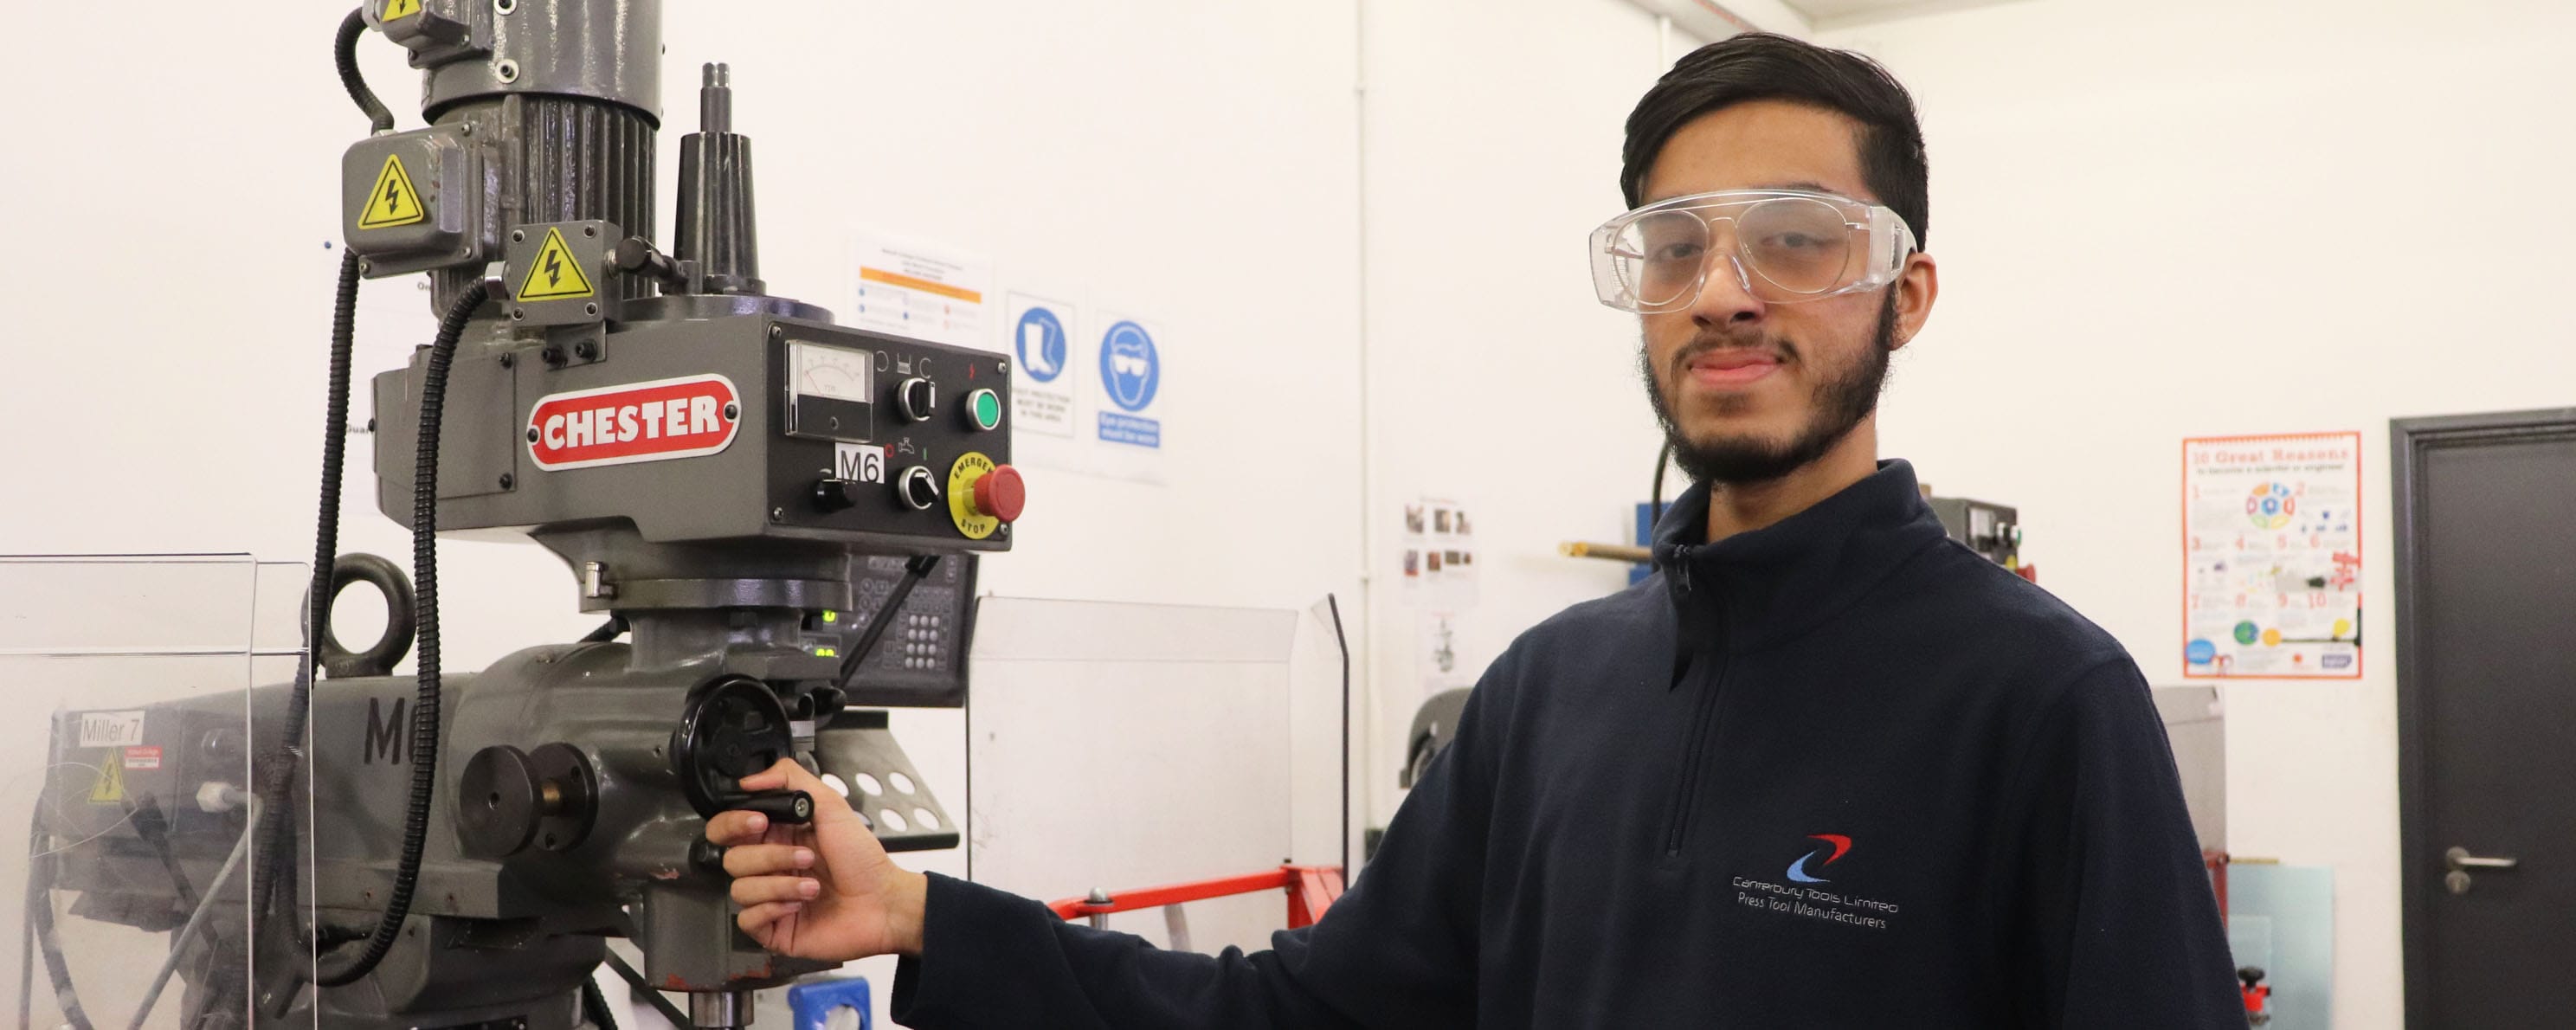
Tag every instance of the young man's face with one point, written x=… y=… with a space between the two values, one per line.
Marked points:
x=1749 y=391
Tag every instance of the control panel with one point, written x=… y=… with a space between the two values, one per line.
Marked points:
x=884 y=434
x=921 y=660
x=721 y=429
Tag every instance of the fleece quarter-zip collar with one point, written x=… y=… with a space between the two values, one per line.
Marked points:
x=1758 y=588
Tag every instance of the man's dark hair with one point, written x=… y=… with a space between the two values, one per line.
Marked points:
x=1762 y=66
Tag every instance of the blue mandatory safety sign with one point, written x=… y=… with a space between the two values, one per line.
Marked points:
x=1130 y=371
x=1041 y=344
x=2200 y=652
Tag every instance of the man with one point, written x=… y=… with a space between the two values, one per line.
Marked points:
x=1827 y=769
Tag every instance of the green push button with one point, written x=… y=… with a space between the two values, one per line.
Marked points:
x=985 y=407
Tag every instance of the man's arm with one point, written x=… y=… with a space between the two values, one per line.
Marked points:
x=2116 y=916
x=1397 y=950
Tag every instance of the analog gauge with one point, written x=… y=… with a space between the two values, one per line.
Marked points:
x=834 y=372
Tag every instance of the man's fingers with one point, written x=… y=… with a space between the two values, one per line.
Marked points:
x=829 y=806
x=758 y=916
x=732 y=829
x=767 y=859
x=786 y=775
x=755 y=890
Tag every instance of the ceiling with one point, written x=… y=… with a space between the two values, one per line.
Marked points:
x=1825 y=14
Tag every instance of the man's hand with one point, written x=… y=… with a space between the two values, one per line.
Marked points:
x=821 y=891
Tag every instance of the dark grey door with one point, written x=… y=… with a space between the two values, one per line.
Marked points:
x=2486 y=694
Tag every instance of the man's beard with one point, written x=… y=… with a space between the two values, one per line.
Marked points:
x=1840 y=403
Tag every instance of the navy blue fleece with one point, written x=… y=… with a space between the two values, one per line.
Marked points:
x=1838 y=772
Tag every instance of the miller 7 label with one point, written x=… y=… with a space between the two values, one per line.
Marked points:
x=688 y=417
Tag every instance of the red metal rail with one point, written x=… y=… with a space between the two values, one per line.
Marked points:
x=1311 y=889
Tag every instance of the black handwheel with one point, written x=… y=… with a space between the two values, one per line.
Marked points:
x=734 y=727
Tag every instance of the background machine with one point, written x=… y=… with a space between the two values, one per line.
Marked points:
x=777 y=516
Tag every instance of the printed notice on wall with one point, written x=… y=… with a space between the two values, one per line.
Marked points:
x=1440 y=553
x=921 y=291
x=1441 y=664
x=2272 y=556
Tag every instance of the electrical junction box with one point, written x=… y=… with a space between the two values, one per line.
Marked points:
x=408 y=200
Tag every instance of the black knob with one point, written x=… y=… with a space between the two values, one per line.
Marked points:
x=916 y=398
x=831 y=495
x=706 y=855
x=794 y=806
x=918 y=488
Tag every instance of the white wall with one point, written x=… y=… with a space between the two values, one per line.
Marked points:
x=174 y=182
x=2196 y=218
x=1495 y=377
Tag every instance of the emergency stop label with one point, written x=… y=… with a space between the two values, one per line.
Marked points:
x=689 y=417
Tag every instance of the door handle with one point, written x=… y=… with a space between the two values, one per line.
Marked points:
x=2459 y=859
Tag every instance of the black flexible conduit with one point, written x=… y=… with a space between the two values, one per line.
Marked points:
x=276 y=820
x=594 y=1006
x=424 y=577
x=344 y=53
x=275 y=827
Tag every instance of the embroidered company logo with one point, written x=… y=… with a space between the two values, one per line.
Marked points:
x=1837 y=843
x=1804 y=895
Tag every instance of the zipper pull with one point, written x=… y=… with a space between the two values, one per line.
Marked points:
x=1681 y=566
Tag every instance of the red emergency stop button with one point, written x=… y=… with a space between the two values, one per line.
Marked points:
x=1001 y=494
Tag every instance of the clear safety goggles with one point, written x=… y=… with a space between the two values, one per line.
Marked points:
x=1783 y=246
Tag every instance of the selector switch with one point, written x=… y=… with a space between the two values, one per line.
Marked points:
x=918 y=488
x=917 y=398
x=983 y=411
x=831 y=495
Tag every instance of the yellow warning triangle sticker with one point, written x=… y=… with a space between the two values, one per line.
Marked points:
x=554 y=274
x=394 y=201
x=399 y=9
x=110 y=787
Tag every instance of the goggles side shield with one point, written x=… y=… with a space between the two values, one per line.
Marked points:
x=1783 y=246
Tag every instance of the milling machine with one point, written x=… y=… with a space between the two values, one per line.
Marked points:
x=778 y=516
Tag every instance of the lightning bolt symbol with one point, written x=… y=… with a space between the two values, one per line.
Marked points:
x=554 y=267
x=393 y=196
